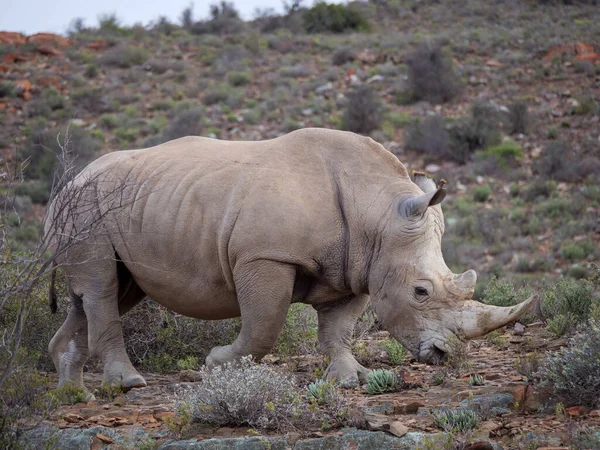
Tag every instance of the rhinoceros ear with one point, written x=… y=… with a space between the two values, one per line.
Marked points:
x=416 y=206
x=426 y=184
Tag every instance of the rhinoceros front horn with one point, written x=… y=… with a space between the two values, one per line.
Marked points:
x=477 y=319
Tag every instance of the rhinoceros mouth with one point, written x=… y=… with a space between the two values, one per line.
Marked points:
x=433 y=355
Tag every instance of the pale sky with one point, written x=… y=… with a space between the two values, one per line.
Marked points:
x=34 y=16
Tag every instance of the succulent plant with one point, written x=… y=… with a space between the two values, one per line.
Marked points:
x=320 y=391
x=476 y=380
x=455 y=420
x=381 y=381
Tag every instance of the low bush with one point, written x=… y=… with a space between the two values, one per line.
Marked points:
x=257 y=395
x=91 y=100
x=482 y=193
x=503 y=293
x=364 y=111
x=572 y=375
x=506 y=154
x=568 y=303
x=299 y=333
x=224 y=19
x=518 y=115
x=576 y=251
x=395 y=350
x=187 y=123
x=431 y=75
x=124 y=56
x=343 y=55
x=557 y=162
x=334 y=18
x=238 y=78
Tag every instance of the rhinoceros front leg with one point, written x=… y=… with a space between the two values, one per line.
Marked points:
x=264 y=290
x=336 y=324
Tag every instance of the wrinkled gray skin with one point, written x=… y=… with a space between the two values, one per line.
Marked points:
x=214 y=229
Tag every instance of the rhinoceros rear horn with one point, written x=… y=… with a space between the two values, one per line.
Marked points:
x=416 y=206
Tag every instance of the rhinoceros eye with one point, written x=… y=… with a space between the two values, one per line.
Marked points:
x=421 y=292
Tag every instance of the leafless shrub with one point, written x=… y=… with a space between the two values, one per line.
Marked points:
x=518 y=115
x=23 y=274
x=431 y=74
x=246 y=393
x=343 y=55
x=364 y=111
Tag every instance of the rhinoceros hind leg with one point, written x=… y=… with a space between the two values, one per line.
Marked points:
x=97 y=284
x=264 y=294
x=69 y=347
x=336 y=324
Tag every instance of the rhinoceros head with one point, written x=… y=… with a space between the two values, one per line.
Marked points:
x=415 y=295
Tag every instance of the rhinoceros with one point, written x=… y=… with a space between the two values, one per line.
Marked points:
x=215 y=229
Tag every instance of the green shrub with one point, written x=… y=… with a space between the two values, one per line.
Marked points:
x=334 y=18
x=568 y=303
x=90 y=99
x=381 y=381
x=188 y=363
x=431 y=75
x=395 y=350
x=299 y=333
x=364 y=111
x=455 y=420
x=482 y=193
x=505 y=154
x=576 y=251
x=238 y=78
x=216 y=94
x=124 y=56
x=502 y=293
x=39 y=192
x=572 y=375
x=527 y=365
x=7 y=89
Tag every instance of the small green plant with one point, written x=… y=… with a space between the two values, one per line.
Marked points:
x=495 y=338
x=188 y=363
x=482 y=193
x=568 y=303
x=438 y=378
x=476 y=380
x=381 y=381
x=109 y=392
x=238 y=78
x=395 y=350
x=179 y=422
x=505 y=153
x=576 y=251
x=503 y=293
x=561 y=324
x=320 y=391
x=67 y=394
x=455 y=420
x=458 y=356
x=527 y=365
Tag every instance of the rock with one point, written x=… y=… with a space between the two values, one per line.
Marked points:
x=119 y=401
x=407 y=408
x=12 y=38
x=398 y=429
x=49 y=39
x=574 y=411
x=432 y=168
x=23 y=88
x=492 y=405
x=377 y=422
x=324 y=88
x=519 y=329
x=78 y=122
x=380 y=408
x=375 y=78
x=190 y=375
x=480 y=445
x=48 y=50
x=362 y=440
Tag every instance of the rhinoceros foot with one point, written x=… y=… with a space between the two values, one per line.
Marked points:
x=347 y=372
x=124 y=375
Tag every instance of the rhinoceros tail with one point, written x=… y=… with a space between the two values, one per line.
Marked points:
x=52 y=291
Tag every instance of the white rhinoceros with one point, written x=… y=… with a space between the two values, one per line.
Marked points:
x=215 y=229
